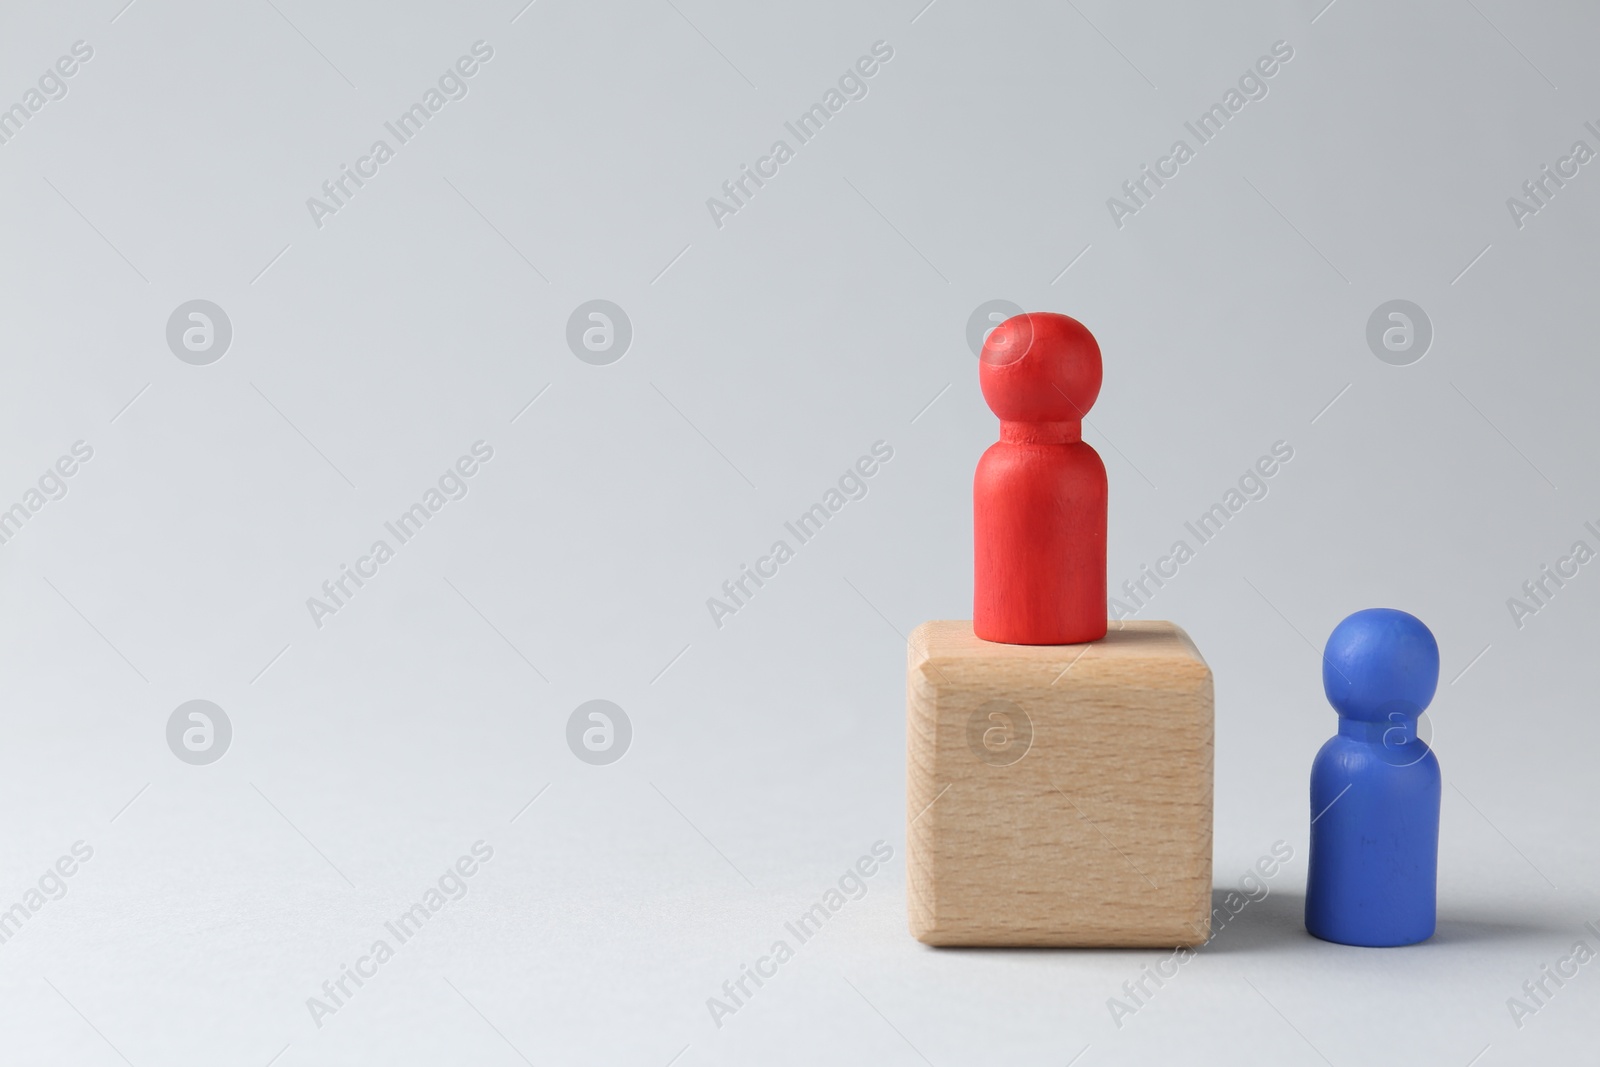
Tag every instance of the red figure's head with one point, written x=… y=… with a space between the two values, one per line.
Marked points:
x=1040 y=367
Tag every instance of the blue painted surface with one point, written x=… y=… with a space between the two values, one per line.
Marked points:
x=1375 y=787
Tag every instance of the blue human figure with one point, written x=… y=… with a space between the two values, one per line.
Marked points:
x=1374 y=860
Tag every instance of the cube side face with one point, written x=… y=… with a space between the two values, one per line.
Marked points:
x=1059 y=795
x=922 y=790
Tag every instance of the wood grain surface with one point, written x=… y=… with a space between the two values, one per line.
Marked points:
x=1059 y=795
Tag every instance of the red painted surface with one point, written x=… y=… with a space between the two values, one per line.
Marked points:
x=1039 y=495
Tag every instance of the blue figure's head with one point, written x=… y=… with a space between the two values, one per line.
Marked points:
x=1378 y=662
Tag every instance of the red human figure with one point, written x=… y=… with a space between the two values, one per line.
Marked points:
x=1039 y=495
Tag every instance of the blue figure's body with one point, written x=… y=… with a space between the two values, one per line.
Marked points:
x=1375 y=787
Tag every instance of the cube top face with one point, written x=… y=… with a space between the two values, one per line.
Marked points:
x=1059 y=794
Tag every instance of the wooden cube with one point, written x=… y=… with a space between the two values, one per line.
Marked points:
x=1059 y=795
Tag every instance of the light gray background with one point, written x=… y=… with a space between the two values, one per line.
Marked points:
x=767 y=356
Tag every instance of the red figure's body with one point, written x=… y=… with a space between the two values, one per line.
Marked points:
x=1039 y=495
